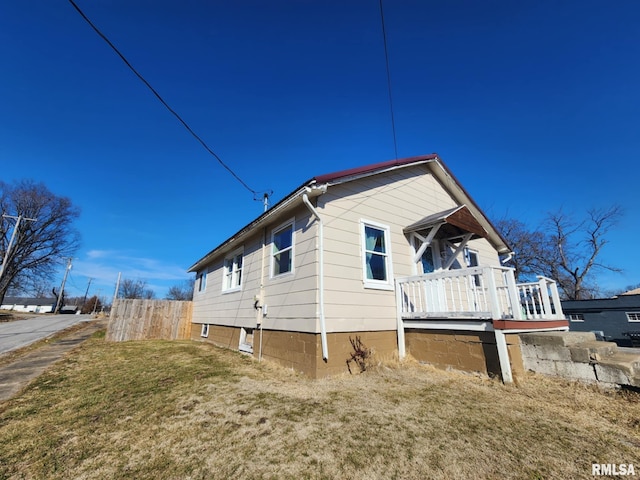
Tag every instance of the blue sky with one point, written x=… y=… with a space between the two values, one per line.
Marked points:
x=533 y=105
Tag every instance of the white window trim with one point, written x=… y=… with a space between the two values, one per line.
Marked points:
x=290 y=223
x=232 y=256
x=243 y=346
x=204 y=330
x=467 y=256
x=201 y=280
x=575 y=317
x=435 y=249
x=633 y=314
x=376 y=284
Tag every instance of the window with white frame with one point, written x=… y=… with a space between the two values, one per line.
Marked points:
x=376 y=255
x=633 y=316
x=472 y=260
x=282 y=250
x=575 y=317
x=232 y=272
x=246 y=340
x=204 y=331
x=201 y=281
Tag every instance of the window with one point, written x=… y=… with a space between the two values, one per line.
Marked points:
x=204 y=331
x=633 y=316
x=427 y=260
x=201 y=281
x=232 y=272
x=575 y=317
x=471 y=258
x=282 y=253
x=246 y=340
x=376 y=256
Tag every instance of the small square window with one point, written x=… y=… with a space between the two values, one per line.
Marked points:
x=204 y=331
x=246 y=340
x=575 y=317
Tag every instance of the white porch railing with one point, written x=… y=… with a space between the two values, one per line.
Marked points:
x=477 y=293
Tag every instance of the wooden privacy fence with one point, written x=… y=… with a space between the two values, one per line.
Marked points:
x=136 y=319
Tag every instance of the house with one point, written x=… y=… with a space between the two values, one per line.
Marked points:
x=610 y=317
x=24 y=304
x=396 y=253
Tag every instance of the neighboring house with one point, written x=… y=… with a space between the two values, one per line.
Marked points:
x=611 y=316
x=396 y=253
x=22 y=304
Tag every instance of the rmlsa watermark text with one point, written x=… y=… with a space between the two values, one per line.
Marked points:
x=609 y=469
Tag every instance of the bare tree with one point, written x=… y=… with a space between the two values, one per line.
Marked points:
x=182 y=291
x=564 y=248
x=93 y=304
x=577 y=246
x=38 y=246
x=527 y=246
x=135 y=289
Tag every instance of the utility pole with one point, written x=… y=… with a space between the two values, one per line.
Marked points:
x=95 y=304
x=64 y=280
x=13 y=236
x=84 y=300
x=115 y=294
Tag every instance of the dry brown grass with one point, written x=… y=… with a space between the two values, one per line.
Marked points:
x=184 y=410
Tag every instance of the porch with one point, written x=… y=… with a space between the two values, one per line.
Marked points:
x=477 y=293
x=478 y=299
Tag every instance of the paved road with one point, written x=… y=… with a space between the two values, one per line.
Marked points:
x=20 y=333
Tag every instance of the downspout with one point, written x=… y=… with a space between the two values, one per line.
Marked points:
x=507 y=258
x=323 y=326
x=261 y=298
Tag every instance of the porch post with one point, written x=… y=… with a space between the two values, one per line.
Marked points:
x=503 y=357
x=544 y=293
x=514 y=298
x=400 y=324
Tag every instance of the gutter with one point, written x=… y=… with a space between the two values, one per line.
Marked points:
x=323 y=327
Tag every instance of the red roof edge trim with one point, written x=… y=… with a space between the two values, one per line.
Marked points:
x=330 y=177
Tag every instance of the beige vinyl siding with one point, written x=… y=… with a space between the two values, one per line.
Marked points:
x=291 y=299
x=395 y=199
x=213 y=306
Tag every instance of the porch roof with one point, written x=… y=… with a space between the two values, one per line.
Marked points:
x=459 y=220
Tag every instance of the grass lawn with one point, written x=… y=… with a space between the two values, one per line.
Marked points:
x=181 y=410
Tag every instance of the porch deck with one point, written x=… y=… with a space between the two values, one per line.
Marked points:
x=477 y=293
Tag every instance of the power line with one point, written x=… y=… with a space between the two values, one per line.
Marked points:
x=175 y=114
x=386 y=57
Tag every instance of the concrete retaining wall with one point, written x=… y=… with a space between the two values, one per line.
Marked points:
x=578 y=356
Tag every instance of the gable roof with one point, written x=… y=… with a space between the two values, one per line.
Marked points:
x=318 y=184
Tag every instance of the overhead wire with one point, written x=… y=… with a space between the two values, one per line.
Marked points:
x=166 y=105
x=386 y=57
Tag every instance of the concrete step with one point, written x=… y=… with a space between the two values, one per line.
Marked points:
x=560 y=339
x=592 y=351
x=622 y=368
